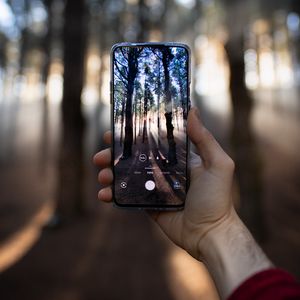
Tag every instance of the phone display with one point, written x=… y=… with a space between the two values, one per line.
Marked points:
x=150 y=103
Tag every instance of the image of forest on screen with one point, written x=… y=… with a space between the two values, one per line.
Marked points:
x=150 y=115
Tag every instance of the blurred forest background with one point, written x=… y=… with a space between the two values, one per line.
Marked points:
x=56 y=240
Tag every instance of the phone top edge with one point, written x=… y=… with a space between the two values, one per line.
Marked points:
x=170 y=44
x=137 y=44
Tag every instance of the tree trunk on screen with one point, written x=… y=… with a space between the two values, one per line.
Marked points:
x=146 y=97
x=132 y=72
x=135 y=118
x=168 y=108
x=70 y=179
x=158 y=105
x=246 y=155
x=122 y=121
x=140 y=116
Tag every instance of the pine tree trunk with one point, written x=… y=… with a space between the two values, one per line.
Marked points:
x=135 y=119
x=158 y=105
x=70 y=184
x=172 y=159
x=146 y=95
x=247 y=158
x=122 y=122
x=132 y=71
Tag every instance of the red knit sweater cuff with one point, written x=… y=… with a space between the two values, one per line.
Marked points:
x=270 y=284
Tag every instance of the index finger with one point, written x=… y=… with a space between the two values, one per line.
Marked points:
x=107 y=137
x=103 y=158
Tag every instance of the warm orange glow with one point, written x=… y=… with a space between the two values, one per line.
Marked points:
x=266 y=69
x=189 y=277
x=31 y=89
x=212 y=74
x=90 y=93
x=105 y=91
x=20 y=243
x=54 y=87
x=268 y=64
x=155 y=36
x=260 y=26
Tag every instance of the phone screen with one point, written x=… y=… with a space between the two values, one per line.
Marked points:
x=150 y=102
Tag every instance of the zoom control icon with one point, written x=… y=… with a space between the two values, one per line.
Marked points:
x=142 y=157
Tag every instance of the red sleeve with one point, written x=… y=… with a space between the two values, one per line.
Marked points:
x=271 y=284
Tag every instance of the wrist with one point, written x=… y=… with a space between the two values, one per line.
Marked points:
x=211 y=240
x=231 y=254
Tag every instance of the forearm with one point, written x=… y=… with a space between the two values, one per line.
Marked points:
x=231 y=255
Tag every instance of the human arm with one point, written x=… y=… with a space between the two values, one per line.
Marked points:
x=208 y=228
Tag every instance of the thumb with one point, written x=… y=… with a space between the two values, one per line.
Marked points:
x=208 y=148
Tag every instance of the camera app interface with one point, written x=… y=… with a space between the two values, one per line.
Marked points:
x=150 y=106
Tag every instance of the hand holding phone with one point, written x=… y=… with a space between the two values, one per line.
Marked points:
x=208 y=201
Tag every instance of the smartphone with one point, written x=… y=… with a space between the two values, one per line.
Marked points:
x=149 y=106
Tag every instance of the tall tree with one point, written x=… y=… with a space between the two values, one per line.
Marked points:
x=180 y=75
x=70 y=191
x=133 y=54
x=247 y=158
x=167 y=56
x=147 y=95
x=158 y=101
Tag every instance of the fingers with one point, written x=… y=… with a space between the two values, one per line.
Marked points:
x=103 y=158
x=212 y=154
x=105 y=176
x=105 y=194
x=107 y=137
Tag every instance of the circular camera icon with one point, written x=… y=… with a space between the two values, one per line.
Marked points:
x=142 y=157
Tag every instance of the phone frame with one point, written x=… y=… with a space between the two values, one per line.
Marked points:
x=160 y=207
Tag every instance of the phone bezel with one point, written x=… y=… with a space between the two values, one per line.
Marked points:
x=139 y=206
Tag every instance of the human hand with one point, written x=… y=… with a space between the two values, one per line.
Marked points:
x=208 y=202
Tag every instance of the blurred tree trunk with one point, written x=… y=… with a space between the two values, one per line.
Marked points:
x=246 y=155
x=3 y=45
x=143 y=30
x=24 y=46
x=46 y=43
x=296 y=8
x=70 y=181
x=46 y=47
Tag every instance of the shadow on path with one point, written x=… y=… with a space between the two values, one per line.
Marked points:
x=109 y=255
